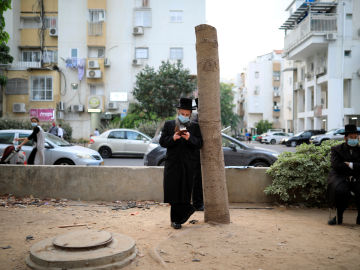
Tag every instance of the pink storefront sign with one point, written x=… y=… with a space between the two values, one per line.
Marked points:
x=43 y=114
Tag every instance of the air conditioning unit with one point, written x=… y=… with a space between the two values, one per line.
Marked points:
x=93 y=74
x=93 y=64
x=61 y=106
x=19 y=107
x=139 y=30
x=112 y=106
x=276 y=78
x=331 y=36
x=53 y=32
x=137 y=62
x=107 y=62
x=320 y=71
x=77 y=108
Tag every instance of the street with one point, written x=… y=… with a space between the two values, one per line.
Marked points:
x=121 y=161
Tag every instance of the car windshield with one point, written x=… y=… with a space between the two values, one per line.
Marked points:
x=331 y=131
x=56 y=140
x=300 y=133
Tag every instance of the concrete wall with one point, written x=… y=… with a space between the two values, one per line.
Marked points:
x=117 y=183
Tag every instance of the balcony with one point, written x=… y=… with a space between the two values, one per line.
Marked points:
x=276 y=108
x=21 y=65
x=96 y=34
x=95 y=28
x=314 y=32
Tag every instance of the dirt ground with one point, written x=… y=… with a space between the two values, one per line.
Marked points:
x=272 y=238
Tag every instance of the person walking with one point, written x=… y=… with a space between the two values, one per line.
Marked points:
x=60 y=132
x=182 y=139
x=37 y=155
x=344 y=177
x=53 y=129
x=96 y=132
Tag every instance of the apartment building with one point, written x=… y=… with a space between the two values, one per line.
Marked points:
x=78 y=60
x=262 y=97
x=323 y=41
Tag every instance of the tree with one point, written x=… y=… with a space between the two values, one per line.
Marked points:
x=212 y=157
x=158 y=91
x=263 y=126
x=228 y=117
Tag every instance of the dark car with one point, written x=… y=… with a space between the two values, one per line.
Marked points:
x=303 y=137
x=236 y=153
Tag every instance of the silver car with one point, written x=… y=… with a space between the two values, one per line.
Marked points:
x=333 y=134
x=57 y=150
x=274 y=137
x=124 y=142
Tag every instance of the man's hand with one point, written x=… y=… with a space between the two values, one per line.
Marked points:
x=176 y=136
x=349 y=164
x=186 y=135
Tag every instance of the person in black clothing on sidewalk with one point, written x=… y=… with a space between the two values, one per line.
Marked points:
x=344 y=177
x=183 y=139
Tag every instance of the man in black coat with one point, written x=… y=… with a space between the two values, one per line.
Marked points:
x=182 y=138
x=344 y=177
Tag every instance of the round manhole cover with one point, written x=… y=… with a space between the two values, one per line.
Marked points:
x=82 y=239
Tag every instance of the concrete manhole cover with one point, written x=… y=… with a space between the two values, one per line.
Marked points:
x=86 y=249
x=82 y=239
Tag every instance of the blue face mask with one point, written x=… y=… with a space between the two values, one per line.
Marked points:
x=353 y=142
x=33 y=124
x=183 y=119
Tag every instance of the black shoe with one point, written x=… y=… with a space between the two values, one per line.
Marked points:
x=175 y=225
x=199 y=208
x=340 y=216
x=332 y=221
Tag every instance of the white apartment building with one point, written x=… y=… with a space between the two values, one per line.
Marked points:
x=323 y=40
x=96 y=48
x=262 y=96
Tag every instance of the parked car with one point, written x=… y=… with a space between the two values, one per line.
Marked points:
x=236 y=153
x=124 y=142
x=302 y=137
x=274 y=137
x=333 y=134
x=259 y=137
x=57 y=150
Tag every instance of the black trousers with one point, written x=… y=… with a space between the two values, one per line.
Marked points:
x=31 y=158
x=180 y=212
x=343 y=195
x=197 y=194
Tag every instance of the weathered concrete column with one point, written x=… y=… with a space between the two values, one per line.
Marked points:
x=212 y=158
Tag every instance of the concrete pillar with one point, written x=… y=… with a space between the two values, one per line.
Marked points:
x=94 y=121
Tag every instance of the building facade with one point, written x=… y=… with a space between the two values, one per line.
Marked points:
x=323 y=41
x=80 y=58
x=261 y=97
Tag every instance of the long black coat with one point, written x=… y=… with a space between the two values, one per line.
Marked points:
x=181 y=159
x=339 y=170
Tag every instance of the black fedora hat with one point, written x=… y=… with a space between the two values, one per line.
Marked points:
x=350 y=129
x=186 y=104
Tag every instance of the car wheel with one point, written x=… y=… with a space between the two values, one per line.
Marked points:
x=105 y=152
x=161 y=163
x=293 y=144
x=323 y=141
x=64 y=161
x=273 y=141
x=260 y=163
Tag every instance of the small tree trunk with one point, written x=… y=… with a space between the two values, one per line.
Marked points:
x=160 y=126
x=212 y=158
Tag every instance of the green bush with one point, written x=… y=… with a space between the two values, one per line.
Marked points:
x=148 y=128
x=22 y=124
x=301 y=176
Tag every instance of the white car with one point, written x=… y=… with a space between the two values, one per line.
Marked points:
x=274 y=137
x=124 y=142
x=57 y=150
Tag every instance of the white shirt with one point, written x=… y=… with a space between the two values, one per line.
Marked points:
x=96 y=133
x=60 y=132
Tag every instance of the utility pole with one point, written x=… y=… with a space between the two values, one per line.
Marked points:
x=212 y=158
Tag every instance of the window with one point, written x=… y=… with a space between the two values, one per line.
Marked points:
x=96 y=15
x=41 y=88
x=256 y=74
x=257 y=90
x=131 y=135
x=176 y=53
x=92 y=89
x=142 y=3
x=142 y=53
x=176 y=16
x=74 y=53
x=143 y=18
x=50 y=22
x=30 y=22
x=96 y=52
x=347 y=53
x=29 y=143
x=16 y=86
x=117 y=135
x=6 y=138
x=50 y=56
x=30 y=56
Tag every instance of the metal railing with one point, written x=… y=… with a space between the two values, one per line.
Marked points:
x=312 y=24
x=95 y=28
x=25 y=65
